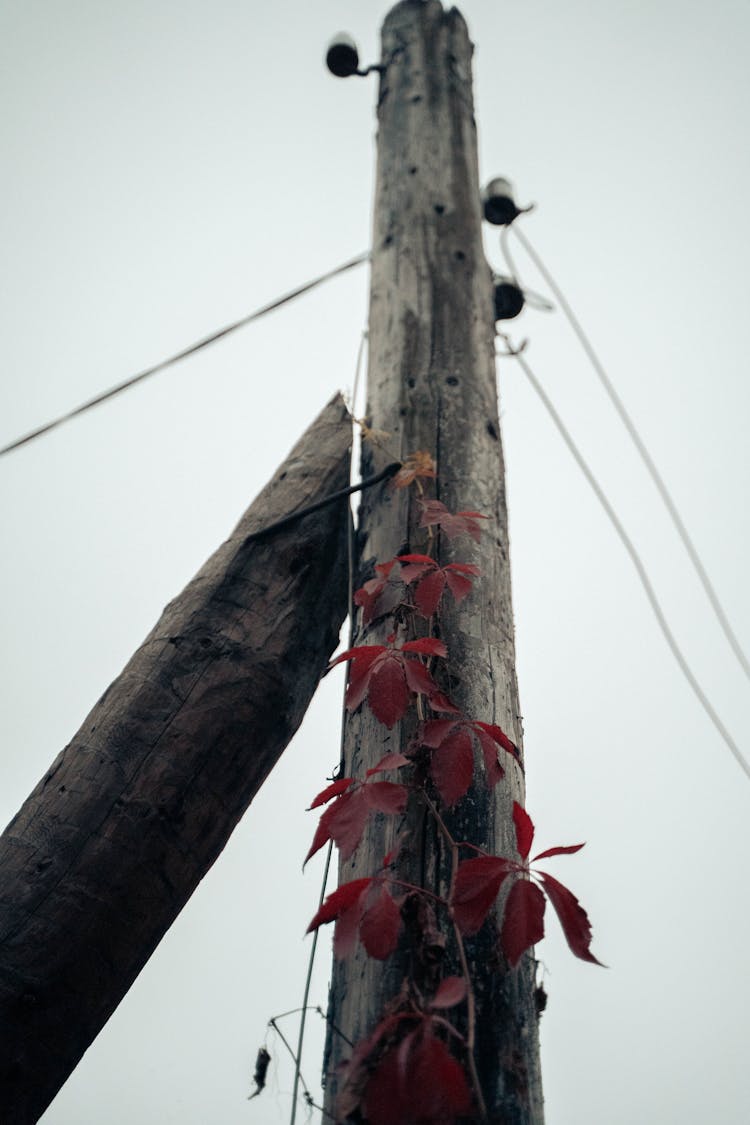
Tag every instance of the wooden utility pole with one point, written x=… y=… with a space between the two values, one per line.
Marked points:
x=131 y=815
x=432 y=387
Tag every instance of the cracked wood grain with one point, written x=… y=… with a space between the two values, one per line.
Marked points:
x=432 y=387
x=134 y=811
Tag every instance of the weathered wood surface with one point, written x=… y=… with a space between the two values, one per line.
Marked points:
x=432 y=387
x=131 y=815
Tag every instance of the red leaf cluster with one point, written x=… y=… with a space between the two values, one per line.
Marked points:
x=452 y=523
x=478 y=883
x=379 y=595
x=452 y=761
x=387 y=677
x=523 y=920
x=353 y=801
x=431 y=580
x=450 y=991
x=404 y=1071
x=365 y=907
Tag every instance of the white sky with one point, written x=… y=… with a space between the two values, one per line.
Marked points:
x=170 y=166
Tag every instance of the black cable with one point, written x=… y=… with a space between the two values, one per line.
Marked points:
x=285 y=521
x=190 y=350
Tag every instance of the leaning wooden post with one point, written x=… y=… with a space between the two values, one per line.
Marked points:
x=432 y=387
x=131 y=815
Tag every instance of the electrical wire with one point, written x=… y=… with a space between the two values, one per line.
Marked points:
x=204 y=342
x=358 y=371
x=327 y=867
x=306 y=995
x=635 y=558
x=635 y=436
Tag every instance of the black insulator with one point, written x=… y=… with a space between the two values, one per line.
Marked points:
x=498 y=202
x=342 y=56
x=509 y=298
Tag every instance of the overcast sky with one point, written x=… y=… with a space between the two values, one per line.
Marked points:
x=168 y=167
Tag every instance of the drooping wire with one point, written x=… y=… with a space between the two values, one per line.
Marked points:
x=635 y=558
x=635 y=437
x=204 y=342
x=329 y=850
x=306 y=995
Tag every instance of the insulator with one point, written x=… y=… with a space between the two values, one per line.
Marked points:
x=342 y=56
x=498 y=202
x=509 y=298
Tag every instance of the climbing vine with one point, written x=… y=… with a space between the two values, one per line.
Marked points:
x=416 y=1065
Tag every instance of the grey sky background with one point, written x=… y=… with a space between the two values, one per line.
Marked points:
x=168 y=167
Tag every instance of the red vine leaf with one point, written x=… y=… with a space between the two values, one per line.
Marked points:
x=459 y=578
x=389 y=762
x=452 y=523
x=428 y=646
x=452 y=766
x=337 y=787
x=429 y=591
x=440 y=702
x=450 y=991
x=385 y=796
x=357 y=1070
x=437 y=733
x=524 y=830
x=419 y=1082
x=430 y=580
x=380 y=924
x=386 y=676
x=344 y=907
x=347 y=928
x=339 y=901
x=419 y=679
x=320 y=839
x=499 y=736
x=571 y=849
x=387 y=1097
x=478 y=882
x=344 y=821
x=435 y=730
x=438 y=1082
x=419 y=464
x=388 y=693
x=523 y=923
x=414 y=566
x=363 y=658
x=363 y=906
x=360 y=655
x=573 y=918
x=379 y=595
x=493 y=771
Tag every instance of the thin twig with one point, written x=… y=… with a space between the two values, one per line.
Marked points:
x=272 y=1023
x=333 y=1026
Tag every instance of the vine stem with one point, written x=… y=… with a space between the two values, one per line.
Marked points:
x=471 y=1014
